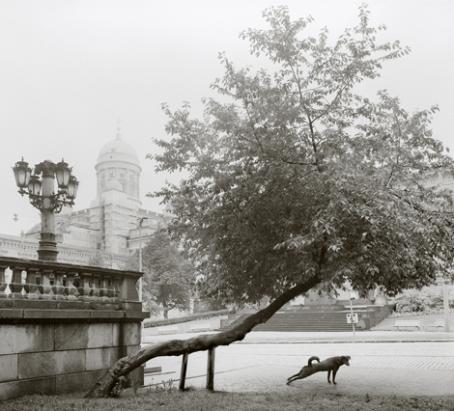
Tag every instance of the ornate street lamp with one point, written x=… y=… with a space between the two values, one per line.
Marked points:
x=38 y=184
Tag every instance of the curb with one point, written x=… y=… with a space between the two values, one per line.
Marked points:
x=349 y=341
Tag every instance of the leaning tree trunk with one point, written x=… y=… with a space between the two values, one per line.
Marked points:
x=105 y=384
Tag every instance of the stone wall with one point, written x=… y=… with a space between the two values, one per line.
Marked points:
x=60 y=357
x=63 y=325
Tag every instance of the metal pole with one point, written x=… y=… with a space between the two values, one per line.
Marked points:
x=140 y=258
x=47 y=245
x=446 y=303
x=141 y=220
x=351 y=315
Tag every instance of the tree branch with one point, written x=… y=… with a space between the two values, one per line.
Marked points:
x=397 y=163
x=306 y=111
x=298 y=163
x=104 y=386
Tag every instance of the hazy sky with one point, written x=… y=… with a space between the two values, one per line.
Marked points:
x=70 y=69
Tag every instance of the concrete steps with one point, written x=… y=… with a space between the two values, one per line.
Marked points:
x=316 y=318
x=306 y=321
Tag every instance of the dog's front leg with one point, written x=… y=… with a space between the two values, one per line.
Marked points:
x=329 y=374
x=293 y=378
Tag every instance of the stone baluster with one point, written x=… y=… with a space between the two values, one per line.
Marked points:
x=65 y=281
x=104 y=291
x=78 y=283
x=87 y=284
x=23 y=278
x=97 y=286
x=116 y=288
x=3 y=284
x=16 y=284
x=33 y=285
x=26 y=284
x=39 y=280
x=47 y=284
x=110 y=288
x=74 y=287
x=59 y=285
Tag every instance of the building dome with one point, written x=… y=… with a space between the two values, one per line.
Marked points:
x=118 y=150
x=118 y=170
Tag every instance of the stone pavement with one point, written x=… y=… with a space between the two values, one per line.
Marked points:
x=264 y=337
x=264 y=361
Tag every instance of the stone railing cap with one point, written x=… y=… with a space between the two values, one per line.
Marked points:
x=19 y=262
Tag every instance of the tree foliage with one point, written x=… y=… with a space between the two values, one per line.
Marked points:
x=293 y=174
x=168 y=276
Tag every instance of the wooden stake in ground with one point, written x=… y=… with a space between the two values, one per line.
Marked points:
x=184 y=366
x=110 y=380
x=210 y=370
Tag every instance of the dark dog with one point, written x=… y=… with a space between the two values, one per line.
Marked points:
x=330 y=364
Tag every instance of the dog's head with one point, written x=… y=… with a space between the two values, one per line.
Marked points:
x=346 y=359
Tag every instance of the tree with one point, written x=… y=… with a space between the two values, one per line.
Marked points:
x=294 y=180
x=168 y=276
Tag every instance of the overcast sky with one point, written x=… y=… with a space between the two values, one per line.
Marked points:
x=70 y=69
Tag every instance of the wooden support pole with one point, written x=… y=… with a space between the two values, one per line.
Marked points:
x=210 y=370
x=184 y=367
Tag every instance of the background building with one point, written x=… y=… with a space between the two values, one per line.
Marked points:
x=107 y=233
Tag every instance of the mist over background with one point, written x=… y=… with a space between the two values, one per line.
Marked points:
x=70 y=70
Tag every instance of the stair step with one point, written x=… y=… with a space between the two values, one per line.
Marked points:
x=313 y=318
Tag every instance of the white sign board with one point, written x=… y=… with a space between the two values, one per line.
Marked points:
x=352 y=318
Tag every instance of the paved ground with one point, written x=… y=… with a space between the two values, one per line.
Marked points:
x=260 y=337
x=264 y=361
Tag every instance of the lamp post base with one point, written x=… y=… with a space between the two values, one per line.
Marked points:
x=47 y=249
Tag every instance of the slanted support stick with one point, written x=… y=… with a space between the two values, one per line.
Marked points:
x=184 y=367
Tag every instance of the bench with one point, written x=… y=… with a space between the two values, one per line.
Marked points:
x=199 y=328
x=412 y=324
x=437 y=324
x=168 y=330
x=152 y=370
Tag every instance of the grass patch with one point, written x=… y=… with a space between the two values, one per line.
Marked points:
x=201 y=400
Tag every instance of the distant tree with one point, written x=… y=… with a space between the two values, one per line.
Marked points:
x=294 y=180
x=168 y=276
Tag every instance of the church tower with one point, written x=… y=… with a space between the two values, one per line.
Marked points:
x=118 y=169
x=117 y=203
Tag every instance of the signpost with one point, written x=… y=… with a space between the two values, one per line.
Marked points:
x=443 y=282
x=352 y=318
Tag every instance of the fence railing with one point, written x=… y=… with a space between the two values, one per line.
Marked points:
x=40 y=280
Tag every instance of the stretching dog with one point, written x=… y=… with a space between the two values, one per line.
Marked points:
x=330 y=364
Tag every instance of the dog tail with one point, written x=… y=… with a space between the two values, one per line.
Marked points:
x=314 y=358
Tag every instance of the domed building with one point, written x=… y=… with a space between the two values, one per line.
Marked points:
x=118 y=168
x=111 y=229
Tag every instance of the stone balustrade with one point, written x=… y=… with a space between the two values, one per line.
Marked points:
x=50 y=281
x=62 y=325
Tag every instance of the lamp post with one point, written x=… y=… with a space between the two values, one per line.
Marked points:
x=140 y=220
x=39 y=184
